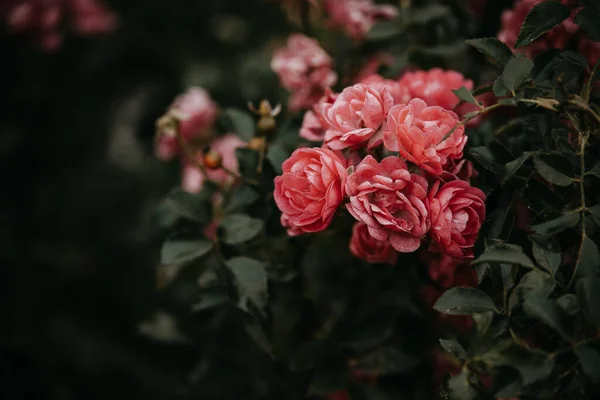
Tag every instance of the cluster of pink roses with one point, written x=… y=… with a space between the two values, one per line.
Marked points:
x=43 y=19
x=558 y=37
x=393 y=160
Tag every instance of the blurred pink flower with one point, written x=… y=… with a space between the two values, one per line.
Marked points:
x=356 y=17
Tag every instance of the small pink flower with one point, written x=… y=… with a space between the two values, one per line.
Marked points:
x=357 y=17
x=366 y=247
x=356 y=116
x=391 y=201
x=196 y=112
x=399 y=92
x=310 y=190
x=435 y=86
x=193 y=179
x=44 y=19
x=304 y=69
x=419 y=133
x=314 y=125
x=457 y=211
x=512 y=20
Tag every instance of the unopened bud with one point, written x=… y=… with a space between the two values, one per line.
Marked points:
x=266 y=124
x=257 y=143
x=212 y=159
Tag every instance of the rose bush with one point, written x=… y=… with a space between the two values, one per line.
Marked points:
x=378 y=200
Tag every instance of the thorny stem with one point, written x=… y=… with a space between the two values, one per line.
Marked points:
x=582 y=143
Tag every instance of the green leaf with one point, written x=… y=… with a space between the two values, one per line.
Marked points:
x=492 y=48
x=588 y=19
x=485 y=158
x=499 y=87
x=250 y=279
x=588 y=258
x=569 y=304
x=595 y=170
x=464 y=301
x=548 y=312
x=388 y=361
x=588 y=294
x=505 y=253
x=516 y=71
x=177 y=251
x=454 y=348
x=239 y=122
x=550 y=174
x=538 y=283
x=547 y=255
x=465 y=95
x=552 y=227
x=239 y=198
x=532 y=365
x=512 y=167
x=429 y=13
x=595 y=212
x=460 y=388
x=277 y=155
x=590 y=362
x=540 y=19
x=240 y=228
x=181 y=205
x=385 y=30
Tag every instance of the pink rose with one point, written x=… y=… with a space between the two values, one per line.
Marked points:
x=310 y=190
x=442 y=268
x=457 y=211
x=304 y=69
x=399 y=92
x=435 y=86
x=366 y=247
x=196 y=112
x=453 y=170
x=356 y=116
x=391 y=201
x=314 y=125
x=357 y=17
x=512 y=20
x=193 y=179
x=419 y=133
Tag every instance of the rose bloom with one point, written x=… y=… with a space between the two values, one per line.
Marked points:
x=399 y=92
x=193 y=179
x=356 y=116
x=196 y=112
x=43 y=19
x=512 y=20
x=357 y=17
x=453 y=170
x=314 y=125
x=435 y=86
x=304 y=69
x=391 y=201
x=366 y=247
x=310 y=190
x=418 y=133
x=457 y=211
